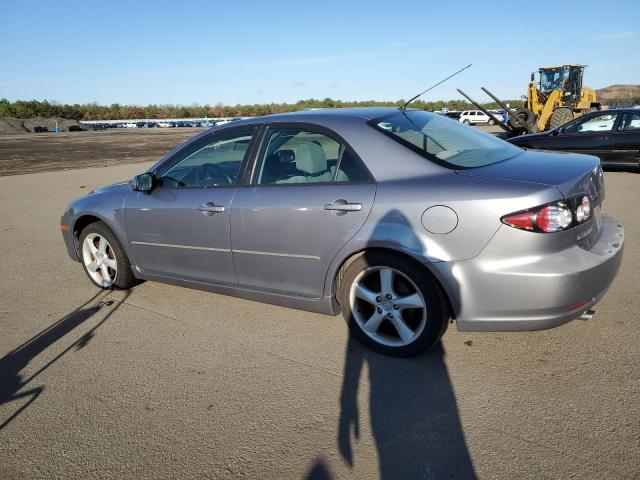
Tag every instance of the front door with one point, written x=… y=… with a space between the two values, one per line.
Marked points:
x=591 y=135
x=309 y=195
x=181 y=228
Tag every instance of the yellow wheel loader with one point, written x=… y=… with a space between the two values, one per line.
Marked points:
x=557 y=97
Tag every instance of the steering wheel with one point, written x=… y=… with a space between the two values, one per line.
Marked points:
x=211 y=174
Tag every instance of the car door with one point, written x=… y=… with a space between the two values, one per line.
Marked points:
x=309 y=194
x=181 y=228
x=626 y=140
x=590 y=134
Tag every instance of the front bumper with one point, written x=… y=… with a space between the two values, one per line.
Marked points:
x=534 y=292
x=68 y=235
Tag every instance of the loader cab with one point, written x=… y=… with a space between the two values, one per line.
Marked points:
x=566 y=78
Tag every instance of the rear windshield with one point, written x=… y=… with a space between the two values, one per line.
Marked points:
x=443 y=140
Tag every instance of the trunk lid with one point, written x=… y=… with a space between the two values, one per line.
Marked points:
x=572 y=174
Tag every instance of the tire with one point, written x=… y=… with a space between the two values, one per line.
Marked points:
x=525 y=115
x=362 y=297
x=466 y=122
x=113 y=269
x=491 y=122
x=559 y=117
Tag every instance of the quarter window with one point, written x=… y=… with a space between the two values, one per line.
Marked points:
x=298 y=156
x=214 y=164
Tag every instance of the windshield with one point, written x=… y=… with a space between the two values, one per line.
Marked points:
x=553 y=79
x=443 y=140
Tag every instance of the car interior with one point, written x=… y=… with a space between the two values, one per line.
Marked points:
x=302 y=157
x=213 y=165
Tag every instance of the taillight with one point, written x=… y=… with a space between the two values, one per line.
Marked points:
x=554 y=217
x=583 y=210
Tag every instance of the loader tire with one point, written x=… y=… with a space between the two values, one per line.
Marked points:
x=559 y=117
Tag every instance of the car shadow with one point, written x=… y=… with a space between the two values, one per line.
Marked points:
x=13 y=382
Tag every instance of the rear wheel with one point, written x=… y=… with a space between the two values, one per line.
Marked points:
x=559 y=117
x=103 y=258
x=392 y=305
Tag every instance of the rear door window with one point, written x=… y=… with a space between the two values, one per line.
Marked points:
x=630 y=122
x=301 y=156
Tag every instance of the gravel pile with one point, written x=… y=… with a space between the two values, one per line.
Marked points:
x=12 y=126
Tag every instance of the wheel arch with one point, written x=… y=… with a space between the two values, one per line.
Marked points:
x=337 y=275
x=82 y=221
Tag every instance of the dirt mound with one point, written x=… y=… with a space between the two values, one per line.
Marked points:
x=11 y=126
x=50 y=124
x=619 y=95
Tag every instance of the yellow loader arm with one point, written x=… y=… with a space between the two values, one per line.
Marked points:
x=553 y=100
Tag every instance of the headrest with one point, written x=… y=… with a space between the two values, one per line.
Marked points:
x=310 y=158
x=285 y=156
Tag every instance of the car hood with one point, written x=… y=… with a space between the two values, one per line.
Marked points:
x=524 y=138
x=112 y=188
x=570 y=173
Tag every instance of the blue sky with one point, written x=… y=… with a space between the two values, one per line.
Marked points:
x=184 y=52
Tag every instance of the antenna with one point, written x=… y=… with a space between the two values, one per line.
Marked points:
x=404 y=107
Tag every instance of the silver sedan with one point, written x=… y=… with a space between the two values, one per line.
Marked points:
x=401 y=220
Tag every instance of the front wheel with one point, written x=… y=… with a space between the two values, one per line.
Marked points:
x=466 y=122
x=103 y=258
x=392 y=305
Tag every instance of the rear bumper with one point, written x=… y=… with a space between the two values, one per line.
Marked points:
x=491 y=293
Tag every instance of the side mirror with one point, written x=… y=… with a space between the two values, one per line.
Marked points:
x=142 y=182
x=556 y=131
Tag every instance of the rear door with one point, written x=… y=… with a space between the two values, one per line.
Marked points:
x=181 y=228
x=626 y=140
x=309 y=194
x=592 y=135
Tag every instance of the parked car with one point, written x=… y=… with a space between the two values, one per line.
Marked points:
x=398 y=219
x=453 y=115
x=613 y=135
x=472 y=117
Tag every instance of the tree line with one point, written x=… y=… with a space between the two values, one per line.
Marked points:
x=93 y=111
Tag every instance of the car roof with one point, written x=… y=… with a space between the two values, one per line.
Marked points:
x=366 y=113
x=617 y=110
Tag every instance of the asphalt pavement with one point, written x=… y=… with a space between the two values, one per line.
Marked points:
x=165 y=382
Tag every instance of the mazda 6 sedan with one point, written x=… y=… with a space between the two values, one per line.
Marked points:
x=400 y=220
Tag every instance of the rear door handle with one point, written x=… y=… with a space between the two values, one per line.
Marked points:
x=210 y=208
x=343 y=206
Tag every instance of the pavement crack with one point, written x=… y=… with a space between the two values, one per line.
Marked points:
x=151 y=310
x=298 y=362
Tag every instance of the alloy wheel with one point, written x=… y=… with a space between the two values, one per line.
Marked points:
x=99 y=259
x=388 y=306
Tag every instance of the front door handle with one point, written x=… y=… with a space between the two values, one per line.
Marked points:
x=342 y=206
x=210 y=208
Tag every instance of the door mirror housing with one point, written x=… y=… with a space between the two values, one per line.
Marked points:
x=142 y=182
